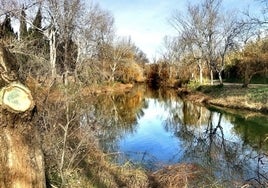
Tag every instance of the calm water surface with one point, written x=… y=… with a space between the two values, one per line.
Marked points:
x=157 y=128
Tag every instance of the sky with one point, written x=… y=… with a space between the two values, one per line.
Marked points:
x=146 y=21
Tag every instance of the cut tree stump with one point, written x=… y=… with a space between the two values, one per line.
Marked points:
x=16 y=98
x=21 y=156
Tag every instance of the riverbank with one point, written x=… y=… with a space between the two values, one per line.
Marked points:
x=100 y=89
x=65 y=110
x=253 y=98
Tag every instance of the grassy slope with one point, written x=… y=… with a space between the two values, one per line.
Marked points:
x=234 y=96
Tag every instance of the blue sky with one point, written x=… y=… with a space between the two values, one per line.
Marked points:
x=146 y=21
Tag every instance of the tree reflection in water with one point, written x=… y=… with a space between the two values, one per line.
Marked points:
x=229 y=158
x=113 y=115
x=230 y=147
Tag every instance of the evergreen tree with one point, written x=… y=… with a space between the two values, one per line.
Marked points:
x=35 y=31
x=23 y=25
x=6 y=30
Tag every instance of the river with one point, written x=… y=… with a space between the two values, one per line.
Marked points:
x=152 y=129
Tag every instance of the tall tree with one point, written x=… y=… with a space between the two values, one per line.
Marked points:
x=95 y=40
x=64 y=18
x=6 y=30
x=23 y=24
x=254 y=60
x=36 y=28
x=207 y=33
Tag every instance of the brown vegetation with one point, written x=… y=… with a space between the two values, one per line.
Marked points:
x=254 y=60
x=21 y=156
x=72 y=154
x=180 y=175
x=163 y=74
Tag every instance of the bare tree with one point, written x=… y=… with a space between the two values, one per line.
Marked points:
x=196 y=30
x=228 y=39
x=9 y=7
x=64 y=19
x=94 y=39
x=123 y=52
x=172 y=54
x=97 y=25
x=103 y=40
x=207 y=34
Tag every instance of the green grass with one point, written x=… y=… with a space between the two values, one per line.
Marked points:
x=209 y=89
x=258 y=94
x=255 y=80
x=255 y=94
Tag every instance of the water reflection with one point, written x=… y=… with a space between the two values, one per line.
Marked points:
x=158 y=128
x=112 y=116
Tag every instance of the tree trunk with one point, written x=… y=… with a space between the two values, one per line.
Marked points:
x=211 y=77
x=200 y=72
x=220 y=77
x=53 y=52
x=21 y=157
x=247 y=77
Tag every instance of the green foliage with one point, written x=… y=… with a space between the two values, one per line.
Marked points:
x=193 y=85
x=260 y=79
x=66 y=56
x=140 y=56
x=232 y=71
x=216 y=89
x=249 y=65
x=38 y=19
x=164 y=74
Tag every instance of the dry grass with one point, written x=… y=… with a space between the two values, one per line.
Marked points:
x=98 y=171
x=107 y=174
x=180 y=175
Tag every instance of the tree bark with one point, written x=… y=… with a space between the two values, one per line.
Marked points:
x=220 y=77
x=21 y=157
x=200 y=71
x=52 y=48
x=211 y=77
